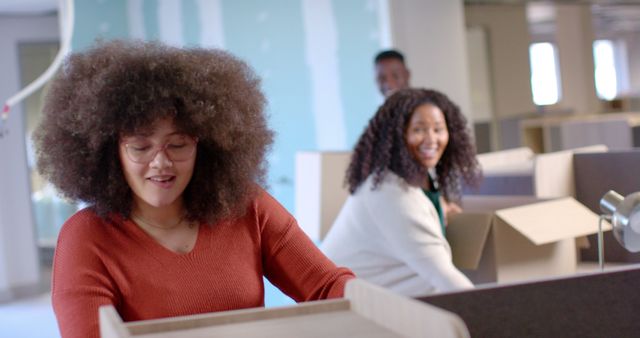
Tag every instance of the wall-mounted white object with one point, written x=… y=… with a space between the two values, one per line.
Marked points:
x=66 y=19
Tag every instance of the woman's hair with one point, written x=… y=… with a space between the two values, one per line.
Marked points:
x=382 y=145
x=119 y=88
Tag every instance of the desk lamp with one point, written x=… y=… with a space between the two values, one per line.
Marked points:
x=624 y=215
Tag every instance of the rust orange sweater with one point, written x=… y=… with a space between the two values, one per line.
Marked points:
x=113 y=261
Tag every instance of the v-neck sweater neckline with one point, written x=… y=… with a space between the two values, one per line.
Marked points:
x=158 y=250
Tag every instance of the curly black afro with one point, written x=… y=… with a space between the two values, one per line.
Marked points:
x=382 y=146
x=118 y=88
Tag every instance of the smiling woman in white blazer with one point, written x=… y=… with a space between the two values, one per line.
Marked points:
x=404 y=178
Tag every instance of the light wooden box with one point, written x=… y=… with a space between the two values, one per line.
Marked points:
x=366 y=311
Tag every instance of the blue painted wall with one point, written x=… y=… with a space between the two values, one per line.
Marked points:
x=95 y=19
x=358 y=42
x=270 y=36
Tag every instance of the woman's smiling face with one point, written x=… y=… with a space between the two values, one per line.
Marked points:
x=427 y=135
x=158 y=165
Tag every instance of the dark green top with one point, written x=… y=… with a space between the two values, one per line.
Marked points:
x=434 y=197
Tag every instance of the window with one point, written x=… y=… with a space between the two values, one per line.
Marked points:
x=607 y=59
x=545 y=83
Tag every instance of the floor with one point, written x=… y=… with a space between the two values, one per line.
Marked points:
x=30 y=317
x=17 y=319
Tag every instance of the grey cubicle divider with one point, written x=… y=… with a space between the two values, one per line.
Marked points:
x=597 y=173
x=503 y=185
x=592 y=305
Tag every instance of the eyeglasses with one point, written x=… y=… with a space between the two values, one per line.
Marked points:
x=177 y=148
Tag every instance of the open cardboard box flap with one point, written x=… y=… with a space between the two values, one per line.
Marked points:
x=551 y=221
x=541 y=222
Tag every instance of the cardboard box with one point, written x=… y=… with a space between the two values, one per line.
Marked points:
x=514 y=238
x=366 y=311
x=320 y=190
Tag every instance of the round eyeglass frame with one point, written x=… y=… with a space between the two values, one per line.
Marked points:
x=163 y=148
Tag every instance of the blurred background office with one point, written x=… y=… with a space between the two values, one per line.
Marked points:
x=502 y=61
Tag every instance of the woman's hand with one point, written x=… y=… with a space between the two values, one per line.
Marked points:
x=449 y=209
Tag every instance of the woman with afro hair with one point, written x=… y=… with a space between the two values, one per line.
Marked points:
x=167 y=148
x=404 y=177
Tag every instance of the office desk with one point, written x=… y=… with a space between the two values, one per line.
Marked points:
x=554 y=133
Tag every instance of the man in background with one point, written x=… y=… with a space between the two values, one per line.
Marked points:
x=391 y=72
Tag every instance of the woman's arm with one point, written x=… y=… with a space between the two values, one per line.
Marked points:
x=449 y=209
x=80 y=282
x=291 y=261
x=410 y=225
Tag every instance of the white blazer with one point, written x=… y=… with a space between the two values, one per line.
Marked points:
x=391 y=236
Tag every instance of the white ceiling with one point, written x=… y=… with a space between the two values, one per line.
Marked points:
x=610 y=17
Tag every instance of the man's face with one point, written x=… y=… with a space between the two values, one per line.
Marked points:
x=391 y=75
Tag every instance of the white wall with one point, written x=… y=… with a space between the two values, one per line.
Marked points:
x=633 y=49
x=19 y=267
x=508 y=36
x=431 y=34
x=480 y=74
x=574 y=37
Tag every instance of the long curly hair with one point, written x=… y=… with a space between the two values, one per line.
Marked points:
x=382 y=146
x=120 y=88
